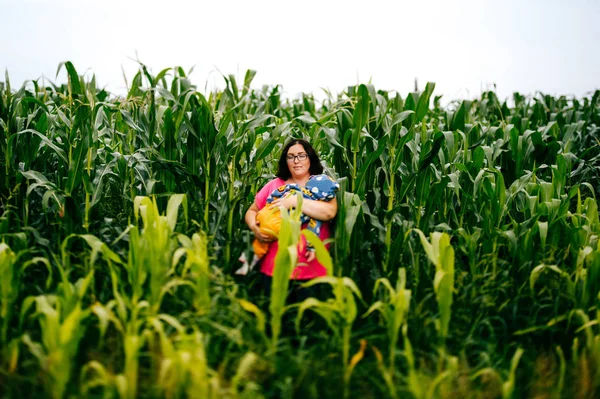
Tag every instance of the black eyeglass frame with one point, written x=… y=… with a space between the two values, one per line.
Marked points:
x=300 y=157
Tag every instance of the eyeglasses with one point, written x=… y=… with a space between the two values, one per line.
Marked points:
x=299 y=157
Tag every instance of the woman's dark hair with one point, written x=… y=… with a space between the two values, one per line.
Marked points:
x=283 y=170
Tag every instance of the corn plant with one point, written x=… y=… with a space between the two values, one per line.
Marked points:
x=196 y=267
x=249 y=369
x=415 y=384
x=360 y=119
x=285 y=261
x=260 y=319
x=394 y=310
x=514 y=181
x=130 y=320
x=183 y=369
x=441 y=254
x=339 y=313
x=398 y=135
x=588 y=263
x=61 y=328
x=508 y=386
x=151 y=250
x=348 y=212
x=199 y=155
x=8 y=288
x=12 y=268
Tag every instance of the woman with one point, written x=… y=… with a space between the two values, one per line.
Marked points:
x=298 y=162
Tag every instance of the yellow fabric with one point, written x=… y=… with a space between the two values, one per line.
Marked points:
x=269 y=220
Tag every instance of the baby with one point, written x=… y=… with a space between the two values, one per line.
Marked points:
x=318 y=187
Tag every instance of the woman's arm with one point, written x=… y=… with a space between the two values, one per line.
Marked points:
x=250 y=219
x=320 y=210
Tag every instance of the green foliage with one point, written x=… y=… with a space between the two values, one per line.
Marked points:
x=285 y=262
x=394 y=311
x=338 y=312
x=441 y=254
x=121 y=218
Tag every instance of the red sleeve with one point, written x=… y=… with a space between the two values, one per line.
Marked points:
x=263 y=194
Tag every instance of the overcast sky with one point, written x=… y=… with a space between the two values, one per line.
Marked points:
x=465 y=46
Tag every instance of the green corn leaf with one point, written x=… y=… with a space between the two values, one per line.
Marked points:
x=45 y=140
x=360 y=116
x=362 y=173
x=175 y=201
x=265 y=148
x=423 y=103
x=252 y=308
x=321 y=251
x=509 y=385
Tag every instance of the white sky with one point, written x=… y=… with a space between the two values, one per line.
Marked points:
x=465 y=46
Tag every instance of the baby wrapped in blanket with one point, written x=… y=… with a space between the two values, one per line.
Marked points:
x=318 y=187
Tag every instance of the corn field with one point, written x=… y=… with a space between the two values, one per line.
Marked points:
x=465 y=261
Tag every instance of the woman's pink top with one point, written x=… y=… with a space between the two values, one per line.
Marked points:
x=304 y=270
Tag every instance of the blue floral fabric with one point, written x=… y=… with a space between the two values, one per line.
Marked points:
x=318 y=187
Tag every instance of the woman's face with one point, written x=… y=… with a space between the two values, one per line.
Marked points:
x=298 y=168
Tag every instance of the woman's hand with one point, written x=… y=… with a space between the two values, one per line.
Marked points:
x=288 y=201
x=251 y=222
x=320 y=210
x=260 y=236
x=310 y=256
